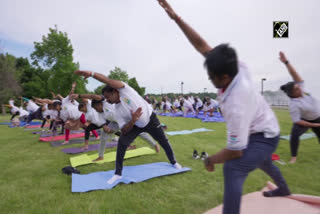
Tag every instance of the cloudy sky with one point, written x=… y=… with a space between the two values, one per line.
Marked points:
x=137 y=36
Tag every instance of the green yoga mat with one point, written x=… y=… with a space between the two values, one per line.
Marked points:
x=302 y=137
x=109 y=156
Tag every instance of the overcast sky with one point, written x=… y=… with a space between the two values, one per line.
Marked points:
x=138 y=37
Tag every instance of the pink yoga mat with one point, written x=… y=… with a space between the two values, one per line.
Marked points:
x=36 y=126
x=255 y=202
x=61 y=137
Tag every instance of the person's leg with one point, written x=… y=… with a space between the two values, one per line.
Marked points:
x=296 y=132
x=66 y=137
x=87 y=135
x=273 y=171
x=317 y=130
x=14 y=115
x=123 y=143
x=155 y=130
x=235 y=171
x=147 y=138
x=51 y=124
x=105 y=137
x=43 y=123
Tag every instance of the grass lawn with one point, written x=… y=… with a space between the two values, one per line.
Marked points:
x=31 y=180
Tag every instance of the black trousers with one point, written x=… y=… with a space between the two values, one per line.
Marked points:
x=35 y=115
x=14 y=115
x=155 y=130
x=297 y=131
x=90 y=128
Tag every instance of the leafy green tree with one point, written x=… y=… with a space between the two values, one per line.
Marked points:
x=118 y=74
x=9 y=84
x=55 y=55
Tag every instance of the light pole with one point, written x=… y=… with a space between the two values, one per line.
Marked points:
x=263 y=79
x=204 y=90
x=182 y=87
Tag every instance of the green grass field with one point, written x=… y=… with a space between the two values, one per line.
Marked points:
x=31 y=180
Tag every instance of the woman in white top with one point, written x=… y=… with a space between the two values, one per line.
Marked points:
x=304 y=109
x=187 y=106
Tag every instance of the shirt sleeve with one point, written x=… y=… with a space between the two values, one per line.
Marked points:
x=238 y=123
x=295 y=113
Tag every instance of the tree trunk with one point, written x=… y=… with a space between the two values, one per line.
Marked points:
x=3 y=110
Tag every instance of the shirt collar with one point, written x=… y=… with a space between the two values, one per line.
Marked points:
x=224 y=93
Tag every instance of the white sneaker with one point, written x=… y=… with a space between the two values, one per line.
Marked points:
x=177 y=165
x=113 y=179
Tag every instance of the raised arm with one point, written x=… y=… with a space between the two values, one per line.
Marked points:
x=102 y=78
x=195 y=39
x=294 y=74
x=74 y=84
x=87 y=96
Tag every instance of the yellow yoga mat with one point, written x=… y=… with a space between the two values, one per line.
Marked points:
x=108 y=156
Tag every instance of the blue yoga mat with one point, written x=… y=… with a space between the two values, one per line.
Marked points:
x=184 y=132
x=23 y=124
x=130 y=174
x=217 y=117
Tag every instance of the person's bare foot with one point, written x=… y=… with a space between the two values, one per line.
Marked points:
x=65 y=142
x=98 y=138
x=98 y=159
x=157 y=148
x=293 y=160
x=84 y=147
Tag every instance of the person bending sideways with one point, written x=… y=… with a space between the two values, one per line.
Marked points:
x=133 y=115
x=252 y=128
x=304 y=108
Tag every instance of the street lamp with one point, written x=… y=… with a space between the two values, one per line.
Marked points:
x=182 y=87
x=263 y=79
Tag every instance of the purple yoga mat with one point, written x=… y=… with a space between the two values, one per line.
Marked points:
x=76 y=150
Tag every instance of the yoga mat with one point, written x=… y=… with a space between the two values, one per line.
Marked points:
x=71 y=141
x=109 y=156
x=36 y=126
x=23 y=123
x=130 y=174
x=302 y=137
x=255 y=202
x=61 y=137
x=91 y=147
x=217 y=117
x=184 y=132
x=49 y=134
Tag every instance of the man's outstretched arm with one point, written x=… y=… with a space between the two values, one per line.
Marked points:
x=195 y=39
x=102 y=78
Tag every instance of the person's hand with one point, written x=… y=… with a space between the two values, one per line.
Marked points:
x=282 y=57
x=85 y=74
x=137 y=114
x=74 y=96
x=106 y=129
x=74 y=84
x=208 y=165
x=166 y=6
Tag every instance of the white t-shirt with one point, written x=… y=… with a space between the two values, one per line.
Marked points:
x=130 y=100
x=168 y=105
x=245 y=111
x=305 y=107
x=199 y=104
x=32 y=107
x=53 y=114
x=176 y=103
x=191 y=100
x=14 y=108
x=23 y=112
x=69 y=111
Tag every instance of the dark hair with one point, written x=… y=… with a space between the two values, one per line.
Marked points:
x=222 y=60
x=57 y=103
x=288 y=88
x=81 y=105
x=108 y=89
x=96 y=102
x=50 y=106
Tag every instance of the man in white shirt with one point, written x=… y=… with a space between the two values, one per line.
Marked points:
x=252 y=128
x=133 y=115
x=304 y=108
